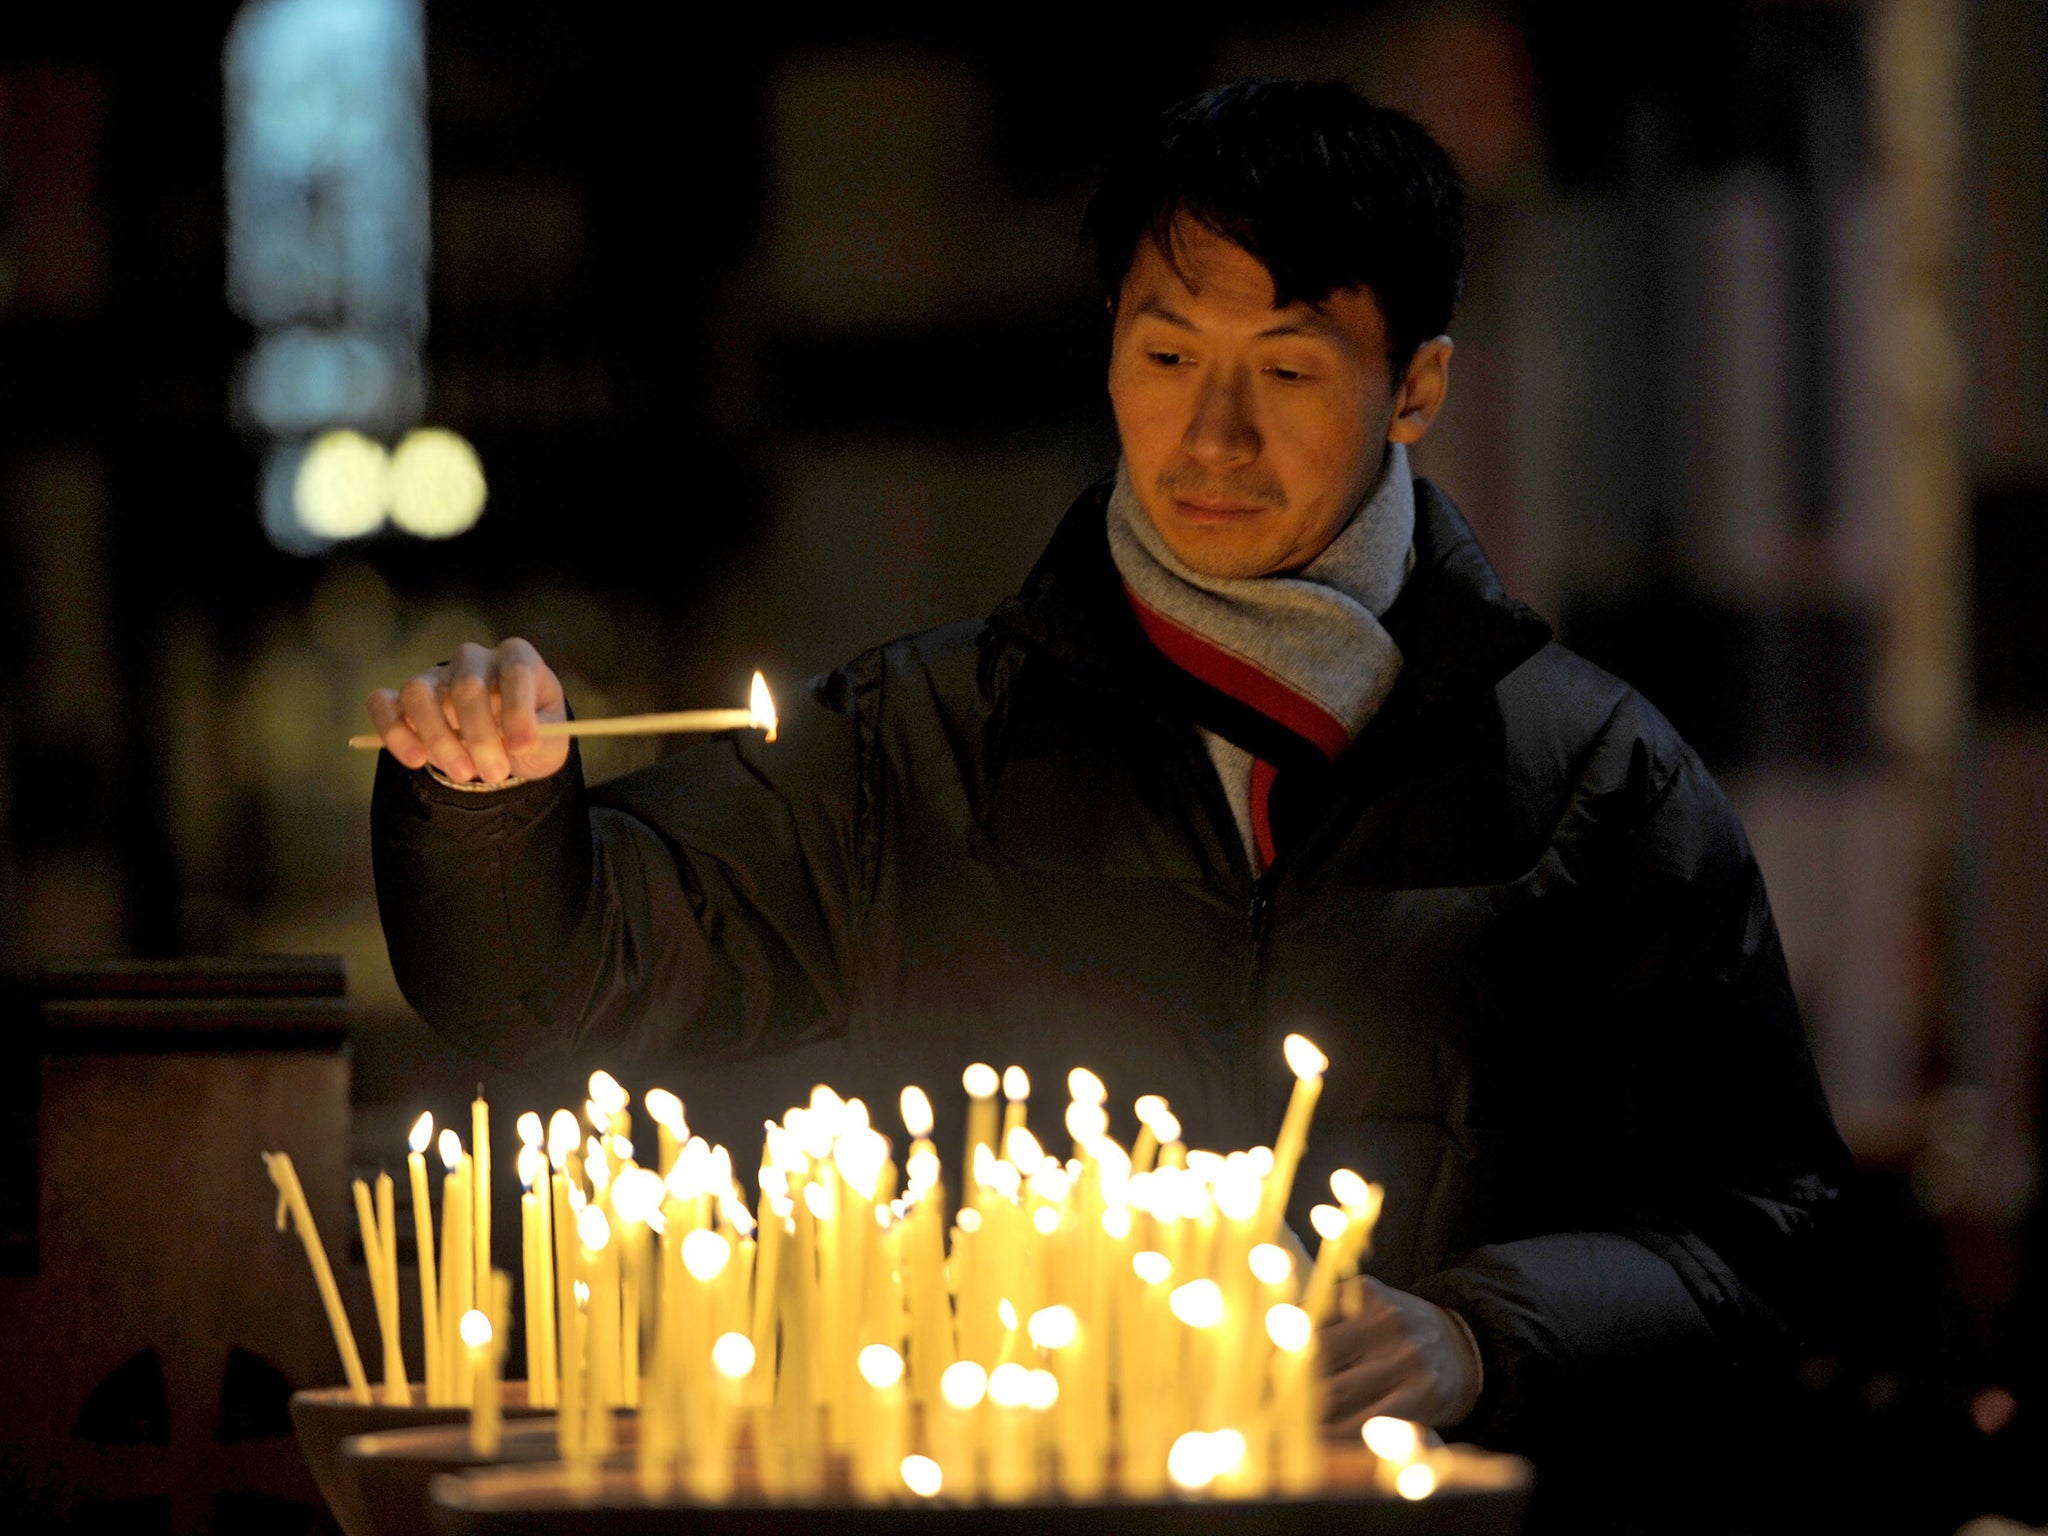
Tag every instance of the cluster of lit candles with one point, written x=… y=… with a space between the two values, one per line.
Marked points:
x=1117 y=1322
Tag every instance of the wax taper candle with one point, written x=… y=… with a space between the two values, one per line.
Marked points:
x=458 y=1258
x=291 y=1203
x=423 y=1239
x=1308 y=1065
x=480 y=1194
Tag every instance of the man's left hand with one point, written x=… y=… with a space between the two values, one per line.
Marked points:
x=1398 y=1355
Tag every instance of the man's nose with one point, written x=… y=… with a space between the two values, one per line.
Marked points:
x=1222 y=433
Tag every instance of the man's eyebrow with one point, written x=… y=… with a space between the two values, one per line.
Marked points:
x=1310 y=324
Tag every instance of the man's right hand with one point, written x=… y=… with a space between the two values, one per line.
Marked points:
x=477 y=716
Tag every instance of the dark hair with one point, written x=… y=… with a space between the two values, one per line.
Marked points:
x=1328 y=190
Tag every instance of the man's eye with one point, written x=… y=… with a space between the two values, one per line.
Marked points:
x=1287 y=375
x=1165 y=359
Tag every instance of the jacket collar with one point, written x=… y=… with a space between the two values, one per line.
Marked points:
x=1457 y=628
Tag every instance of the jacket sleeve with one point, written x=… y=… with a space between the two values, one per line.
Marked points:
x=702 y=908
x=1691 y=1267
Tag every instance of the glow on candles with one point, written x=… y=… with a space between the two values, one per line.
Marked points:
x=1391 y=1439
x=637 y=1195
x=1009 y=1385
x=476 y=1329
x=706 y=1253
x=1329 y=1222
x=1237 y=1192
x=963 y=1385
x=1084 y=1087
x=1271 y=1264
x=1016 y=1084
x=880 y=1366
x=531 y=1132
x=1054 y=1327
x=733 y=1356
x=1199 y=1303
x=1288 y=1327
x=980 y=1081
x=1198 y=1458
x=1041 y=1390
x=1166 y=1124
x=921 y=1475
x=1417 y=1480
x=1046 y=1219
x=451 y=1150
x=1152 y=1268
x=592 y=1229
x=1116 y=1221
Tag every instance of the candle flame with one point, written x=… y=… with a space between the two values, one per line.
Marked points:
x=563 y=1134
x=1086 y=1122
x=1199 y=1303
x=1152 y=1268
x=1026 y=1155
x=1391 y=1439
x=1288 y=1327
x=1041 y=1390
x=593 y=1230
x=922 y=1476
x=1261 y=1160
x=476 y=1329
x=980 y=1081
x=817 y=1201
x=917 y=1112
x=422 y=1135
x=1193 y=1462
x=963 y=1384
x=666 y=1111
x=532 y=1166
x=1237 y=1193
x=636 y=1194
x=606 y=1093
x=1352 y=1192
x=1166 y=1125
x=582 y=1293
x=1303 y=1059
x=1054 y=1327
x=762 y=707
x=1417 y=1480
x=451 y=1150
x=880 y=1366
x=1149 y=1108
x=733 y=1356
x=1116 y=1221
x=1009 y=1385
x=1016 y=1083
x=705 y=1254
x=1046 y=1219
x=1271 y=1264
x=1084 y=1087
x=531 y=1132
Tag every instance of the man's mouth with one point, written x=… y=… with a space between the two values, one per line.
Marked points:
x=1203 y=511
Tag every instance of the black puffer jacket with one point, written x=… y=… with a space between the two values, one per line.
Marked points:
x=1520 y=918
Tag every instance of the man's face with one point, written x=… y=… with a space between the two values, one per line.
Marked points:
x=1251 y=432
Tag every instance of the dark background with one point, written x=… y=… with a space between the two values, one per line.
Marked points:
x=775 y=338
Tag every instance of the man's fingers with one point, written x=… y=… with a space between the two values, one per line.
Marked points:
x=469 y=688
x=422 y=701
x=400 y=740
x=518 y=694
x=1350 y=1395
x=1407 y=1400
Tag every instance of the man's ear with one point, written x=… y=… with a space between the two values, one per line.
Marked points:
x=1421 y=392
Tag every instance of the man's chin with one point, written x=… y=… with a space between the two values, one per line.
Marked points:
x=1219 y=552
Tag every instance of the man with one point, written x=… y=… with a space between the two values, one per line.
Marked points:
x=1260 y=745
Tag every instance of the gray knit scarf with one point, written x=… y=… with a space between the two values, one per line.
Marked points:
x=1305 y=649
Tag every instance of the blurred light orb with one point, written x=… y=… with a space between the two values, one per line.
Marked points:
x=1417 y=1480
x=922 y=1476
x=342 y=488
x=437 y=484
